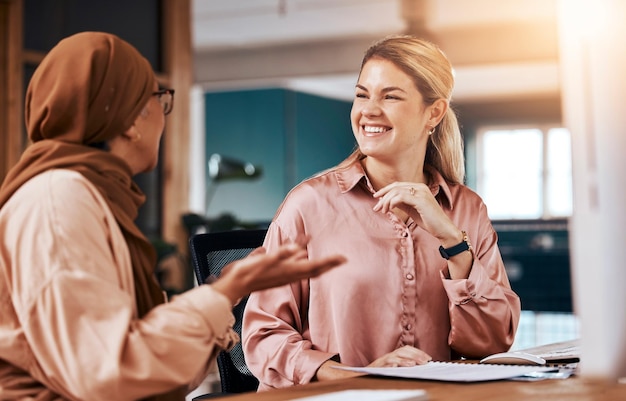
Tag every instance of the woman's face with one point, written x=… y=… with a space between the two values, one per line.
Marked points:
x=389 y=118
x=149 y=125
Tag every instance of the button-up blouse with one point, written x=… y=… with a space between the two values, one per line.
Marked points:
x=393 y=291
x=68 y=323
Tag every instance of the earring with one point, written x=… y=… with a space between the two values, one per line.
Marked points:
x=136 y=138
x=431 y=130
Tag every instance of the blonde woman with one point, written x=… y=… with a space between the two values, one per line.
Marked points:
x=424 y=278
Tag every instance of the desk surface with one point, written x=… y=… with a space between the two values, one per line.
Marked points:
x=572 y=389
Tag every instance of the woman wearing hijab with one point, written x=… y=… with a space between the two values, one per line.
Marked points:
x=424 y=278
x=81 y=314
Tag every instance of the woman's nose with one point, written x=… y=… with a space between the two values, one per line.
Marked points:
x=371 y=108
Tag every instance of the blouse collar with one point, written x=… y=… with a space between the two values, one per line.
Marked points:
x=349 y=176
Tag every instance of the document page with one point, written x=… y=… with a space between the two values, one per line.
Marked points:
x=453 y=371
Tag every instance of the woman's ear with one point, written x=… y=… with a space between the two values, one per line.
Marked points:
x=437 y=111
x=132 y=134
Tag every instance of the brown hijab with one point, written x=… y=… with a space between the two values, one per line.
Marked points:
x=88 y=89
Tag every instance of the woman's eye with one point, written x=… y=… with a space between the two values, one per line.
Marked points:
x=361 y=95
x=392 y=97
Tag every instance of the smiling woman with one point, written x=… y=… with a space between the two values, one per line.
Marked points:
x=424 y=272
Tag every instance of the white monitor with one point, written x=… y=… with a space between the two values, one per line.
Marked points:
x=593 y=83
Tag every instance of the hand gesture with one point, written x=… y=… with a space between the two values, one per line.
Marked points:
x=262 y=270
x=417 y=201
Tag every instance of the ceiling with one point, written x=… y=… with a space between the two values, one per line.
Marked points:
x=502 y=50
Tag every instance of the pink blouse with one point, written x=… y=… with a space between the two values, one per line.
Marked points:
x=393 y=291
x=68 y=324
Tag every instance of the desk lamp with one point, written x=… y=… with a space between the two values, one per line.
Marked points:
x=221 y=168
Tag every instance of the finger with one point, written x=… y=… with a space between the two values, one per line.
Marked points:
x=383 y=203
x=330 y=263
x=395 y=361
x=317 y=267
x=302 y=240
x=384 y=190
x=285 y=252
x=289 y=272
x=390 y=201
x=264 y=260
x=210 y=279
x=414 y=354
x=258 y=251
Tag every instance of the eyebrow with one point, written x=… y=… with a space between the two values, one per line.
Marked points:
x=385 y=90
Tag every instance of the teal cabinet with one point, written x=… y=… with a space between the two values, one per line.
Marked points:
x=290 y=135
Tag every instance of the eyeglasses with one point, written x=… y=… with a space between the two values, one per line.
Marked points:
x=166 y=98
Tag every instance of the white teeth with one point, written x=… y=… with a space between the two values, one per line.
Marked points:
x=368 y=128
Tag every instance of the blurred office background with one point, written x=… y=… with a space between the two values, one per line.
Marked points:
x=264 y=89
x=276 y=84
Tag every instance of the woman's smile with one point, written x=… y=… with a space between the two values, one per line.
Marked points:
x=374 y=130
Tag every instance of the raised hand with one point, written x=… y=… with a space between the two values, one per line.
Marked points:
x=417 y=201
x=261 y=270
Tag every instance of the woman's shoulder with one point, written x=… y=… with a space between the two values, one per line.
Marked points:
x=462 y=194
x=310 y=193
x=61 y=183
x=318 y=184
x=61 y=192
x=465 y=191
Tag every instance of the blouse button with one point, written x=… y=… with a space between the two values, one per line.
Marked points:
x=408 y=327
x=409 y=276
x=405 y=234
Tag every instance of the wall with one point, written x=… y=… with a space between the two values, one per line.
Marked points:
x=160 y=29
x=290 y=135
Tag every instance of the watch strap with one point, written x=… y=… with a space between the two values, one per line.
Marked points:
x=462 y=246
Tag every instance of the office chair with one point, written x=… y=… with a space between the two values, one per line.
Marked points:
x=210 y=252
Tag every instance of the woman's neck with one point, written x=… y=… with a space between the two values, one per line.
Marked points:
x=382 y=174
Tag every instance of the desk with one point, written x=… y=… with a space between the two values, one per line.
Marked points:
x=572 y=389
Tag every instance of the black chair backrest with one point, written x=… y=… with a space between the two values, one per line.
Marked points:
x=210 y=252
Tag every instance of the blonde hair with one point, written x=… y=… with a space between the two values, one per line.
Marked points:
x=432 y=74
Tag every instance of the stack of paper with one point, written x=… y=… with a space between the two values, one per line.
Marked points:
x=453 y=371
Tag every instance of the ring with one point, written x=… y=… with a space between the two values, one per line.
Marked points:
x=412 y=191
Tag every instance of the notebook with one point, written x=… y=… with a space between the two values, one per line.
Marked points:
x=549 y=354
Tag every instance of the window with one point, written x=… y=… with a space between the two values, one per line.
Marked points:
x=525 y=173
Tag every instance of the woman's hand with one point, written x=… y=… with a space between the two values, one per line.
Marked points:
x=404 y=356
x=417 y=201
x=261 y=270
x=328 y=372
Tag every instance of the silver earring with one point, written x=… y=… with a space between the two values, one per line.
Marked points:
x=431 y=131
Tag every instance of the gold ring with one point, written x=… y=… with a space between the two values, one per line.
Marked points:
x=412 y=191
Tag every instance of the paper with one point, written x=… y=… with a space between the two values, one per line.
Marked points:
x=453 y=371
x=369 y=395
x=565 y=351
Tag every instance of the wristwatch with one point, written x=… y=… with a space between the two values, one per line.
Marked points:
x=462 y=246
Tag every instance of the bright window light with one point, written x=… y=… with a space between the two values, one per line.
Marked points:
x=525 y=173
